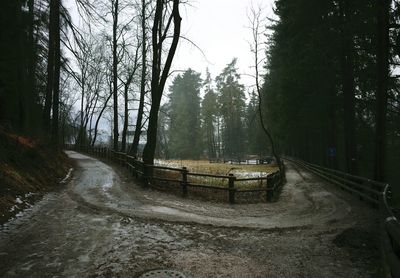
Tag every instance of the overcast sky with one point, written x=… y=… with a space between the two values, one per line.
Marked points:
x=220 y=29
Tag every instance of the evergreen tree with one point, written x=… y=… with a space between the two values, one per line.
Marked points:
x=255 y=137
x=209 y=112
x=184 y=130
x=321 y=83
x=231 y=99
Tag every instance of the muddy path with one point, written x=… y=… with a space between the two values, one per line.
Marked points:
x=104 y=225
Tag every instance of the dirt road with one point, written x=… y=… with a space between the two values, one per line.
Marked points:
x=104 y=225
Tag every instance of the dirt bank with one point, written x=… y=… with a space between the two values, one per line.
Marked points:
x=28 y=169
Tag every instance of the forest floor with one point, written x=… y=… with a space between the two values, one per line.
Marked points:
x=28 y=169
x=105 y=225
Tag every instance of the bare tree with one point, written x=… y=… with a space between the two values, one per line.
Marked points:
x=159 y=75
x=115 y=13
x=131 y=68
x=138 y=128
x=256 y=23
x=104 y=106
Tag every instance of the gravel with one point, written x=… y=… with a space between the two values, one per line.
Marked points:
x=104 y=225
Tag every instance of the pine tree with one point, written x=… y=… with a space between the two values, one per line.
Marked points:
x=255 y=139
x=184 y=130
x=231 y=99
x=209 y=112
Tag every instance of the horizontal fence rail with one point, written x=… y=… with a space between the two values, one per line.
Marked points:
x=373 y=192
x=366 y=189
x=182 y=181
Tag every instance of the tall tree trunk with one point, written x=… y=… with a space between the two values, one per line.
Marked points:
x=126 y=117
x=256 y=32
x=56 y=82
x=383 y=7
x=219 y=138
x=91 y=118
x=115 y=74
x=126 y=100
x=159 y=78
x=81 y=136
x=348 y=86
x=332 y=156
x=31 y=64
x=20 y=113
x=98 y=119
x=50 y=70
x=138 y=128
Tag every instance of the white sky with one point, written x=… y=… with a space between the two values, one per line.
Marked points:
x=220 y=29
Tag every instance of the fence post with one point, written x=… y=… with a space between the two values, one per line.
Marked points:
x=270 y=187
x=232 y=188
x=146 y=174
x=184 y=181
x=135 y=168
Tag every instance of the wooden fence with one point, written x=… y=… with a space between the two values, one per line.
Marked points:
x=183 y=182
x=379 y=195
x=247 y=161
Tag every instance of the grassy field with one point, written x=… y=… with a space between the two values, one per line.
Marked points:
x=205 y=167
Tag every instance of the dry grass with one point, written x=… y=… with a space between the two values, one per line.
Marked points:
x=205 y=167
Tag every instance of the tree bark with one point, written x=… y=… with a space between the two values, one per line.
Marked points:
x=382 y=55
x=50 y=70
x=56 y=81
x=159 y=78
x=348 y=87
x=31 y=65
x=115 y=73
x=81 y=136
x=138 y=128
x=126 y=100
x=255 y=30
x=98 y=119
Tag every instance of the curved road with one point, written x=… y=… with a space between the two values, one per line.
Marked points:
x=104 y=225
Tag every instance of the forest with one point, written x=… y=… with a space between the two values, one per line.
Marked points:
x=327 y=92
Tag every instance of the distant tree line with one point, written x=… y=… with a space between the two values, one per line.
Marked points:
x=210 y=119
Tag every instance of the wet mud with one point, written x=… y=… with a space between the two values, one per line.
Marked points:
x=103 y=224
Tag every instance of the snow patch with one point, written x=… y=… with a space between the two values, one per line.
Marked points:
x=29 y=194
x=64 y=180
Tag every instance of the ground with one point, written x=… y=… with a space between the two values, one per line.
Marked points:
x=105 y=225
x=28 y=169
